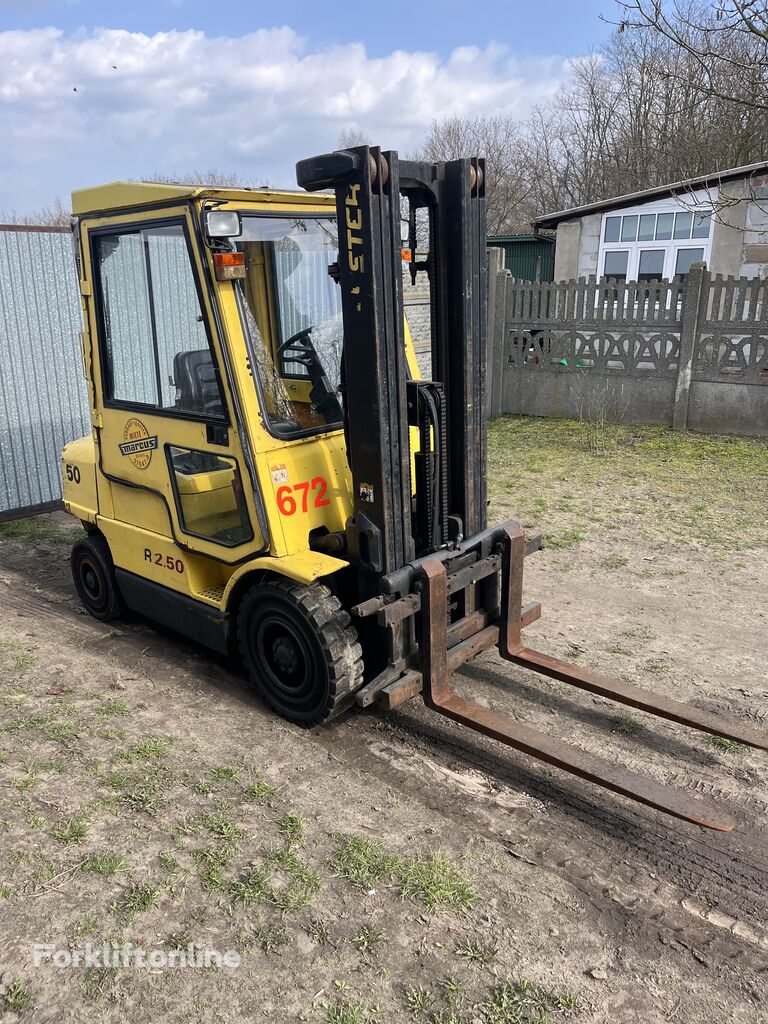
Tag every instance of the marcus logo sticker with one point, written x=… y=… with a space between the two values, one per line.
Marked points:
x=137 y=444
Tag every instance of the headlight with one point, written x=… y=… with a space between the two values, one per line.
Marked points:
x=223 y=224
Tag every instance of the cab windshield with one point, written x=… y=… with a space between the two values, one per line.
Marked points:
x=293 y=315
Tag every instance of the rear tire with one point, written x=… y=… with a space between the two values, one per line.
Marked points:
x=300 y=650
x=93 y=572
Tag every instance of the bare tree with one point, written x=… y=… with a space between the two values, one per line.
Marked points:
x=725 y=41
x=350 y=137
x=211 y=177
x=55 y=215
x=498 y=139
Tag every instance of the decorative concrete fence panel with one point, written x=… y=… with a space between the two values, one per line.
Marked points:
x=689 y=353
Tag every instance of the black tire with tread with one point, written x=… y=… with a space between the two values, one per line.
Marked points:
x=325 y=644
x=93 y=572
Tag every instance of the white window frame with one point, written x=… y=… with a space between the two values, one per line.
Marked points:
x=703 y=201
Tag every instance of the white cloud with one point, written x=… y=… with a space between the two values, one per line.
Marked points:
x=253 y=104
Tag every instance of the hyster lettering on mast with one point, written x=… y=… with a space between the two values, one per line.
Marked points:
x=266 y=468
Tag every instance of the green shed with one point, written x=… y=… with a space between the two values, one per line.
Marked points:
x=528 y=257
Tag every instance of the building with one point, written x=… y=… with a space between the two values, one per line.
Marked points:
x=720 y=218
x=527 y=257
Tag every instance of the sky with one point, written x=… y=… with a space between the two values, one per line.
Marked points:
x=99 y=91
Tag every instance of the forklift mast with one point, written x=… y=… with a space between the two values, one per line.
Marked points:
x=388 y=529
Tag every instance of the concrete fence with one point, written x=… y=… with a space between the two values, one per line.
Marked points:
x=688 y=353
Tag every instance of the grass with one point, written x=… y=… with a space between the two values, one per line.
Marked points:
x=152 y=749
x=628 y=725
x=291 y=826
x=727 y=746
x=71 y=831
x=368 y=940
x=106 y=865
x=523 y=1002
x=431 y=879
x=39 y=528
x=565 y=539
x=142 y=795
x=638 y=633
x=302 y=881
x=138 y=898
x=264 y=792
x=97 y=982
x=18 y=654
x=436 y=882
x=656 y=666
x=618 y=649
x=169 y=863
x=17 y=997
x=220 y=824
x=271 y=939
x=253 y=885
x=475 y=952
x=419 y=999
x=351 y=1012
x=112 y=706
x=362 y=861
x=318 y=930
x=680 y=487
x=614 y=562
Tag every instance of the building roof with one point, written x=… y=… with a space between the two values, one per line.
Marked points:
x=551 y=220
x=125 y=194
x=522 y=238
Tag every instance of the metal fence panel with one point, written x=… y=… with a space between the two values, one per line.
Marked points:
x=43 y=398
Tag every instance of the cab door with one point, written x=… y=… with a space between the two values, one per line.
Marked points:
x=166 y=423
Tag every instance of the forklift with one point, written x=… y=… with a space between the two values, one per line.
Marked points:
x=267 y=473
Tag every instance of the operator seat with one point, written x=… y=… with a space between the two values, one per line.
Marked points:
x=197 y=385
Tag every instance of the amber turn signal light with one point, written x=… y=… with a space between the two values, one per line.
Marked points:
x=229 y=265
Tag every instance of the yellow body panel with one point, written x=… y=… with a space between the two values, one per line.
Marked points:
x=78 y=472
x=157 y=517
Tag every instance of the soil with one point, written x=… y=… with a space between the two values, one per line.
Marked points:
x=149 y=741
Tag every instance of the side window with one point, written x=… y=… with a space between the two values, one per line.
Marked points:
x=156 y=349
x=209 y=496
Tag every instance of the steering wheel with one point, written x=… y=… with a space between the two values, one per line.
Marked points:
x=302 y=355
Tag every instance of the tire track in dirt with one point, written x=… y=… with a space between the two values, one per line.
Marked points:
x=671 y=887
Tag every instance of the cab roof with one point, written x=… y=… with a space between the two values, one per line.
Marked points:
x=119 y=195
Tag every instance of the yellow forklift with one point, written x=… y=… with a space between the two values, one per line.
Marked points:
x=266 y=470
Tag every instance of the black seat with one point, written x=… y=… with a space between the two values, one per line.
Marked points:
x=197 y=385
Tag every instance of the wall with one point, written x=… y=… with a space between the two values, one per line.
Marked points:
x=567 y=250
x=754 y=252
x=589 y=244
x=43 y=401
x=728 y=232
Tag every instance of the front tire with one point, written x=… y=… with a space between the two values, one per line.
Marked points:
x=93 y=573
x=300 y=650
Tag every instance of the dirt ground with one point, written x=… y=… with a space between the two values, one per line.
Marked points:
x=398 y=868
